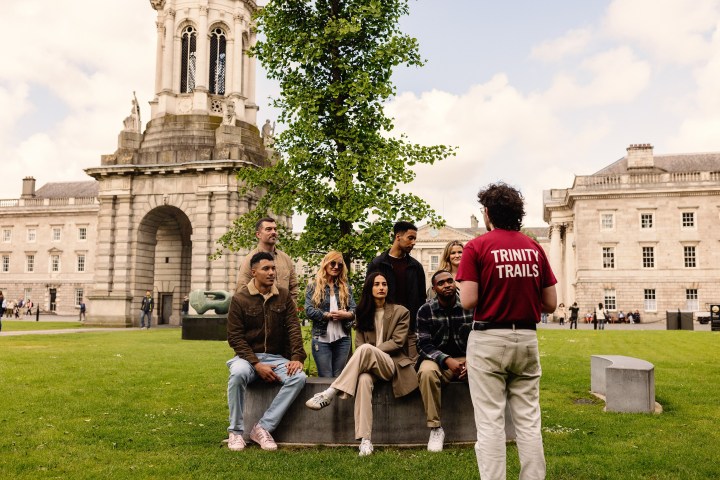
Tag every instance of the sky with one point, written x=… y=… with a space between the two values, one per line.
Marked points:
x=531 y=93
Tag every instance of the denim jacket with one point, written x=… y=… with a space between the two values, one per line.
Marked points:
x=320 y=324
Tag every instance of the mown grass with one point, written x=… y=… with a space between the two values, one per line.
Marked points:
x=145 y=404
x=24 y=325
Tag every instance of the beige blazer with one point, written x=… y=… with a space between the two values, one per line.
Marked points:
x=395 y=344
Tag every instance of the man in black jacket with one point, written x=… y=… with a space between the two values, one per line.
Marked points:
x=404 y=274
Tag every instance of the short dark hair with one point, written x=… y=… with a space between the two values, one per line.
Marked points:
x=260 y=256
x=432 y=279
x=504 y=205
x=258 y=224
x=402 y=227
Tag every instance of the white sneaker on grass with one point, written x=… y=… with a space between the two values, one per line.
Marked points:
x=366 y=447
x=437 y=438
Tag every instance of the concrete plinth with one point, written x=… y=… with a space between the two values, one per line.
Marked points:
x=396 y=421
x=627 y=384
x=110 y=311
x=204 y=327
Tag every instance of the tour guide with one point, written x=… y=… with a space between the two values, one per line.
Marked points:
x=506 y=277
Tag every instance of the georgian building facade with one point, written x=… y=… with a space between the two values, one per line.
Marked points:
x=640 y=234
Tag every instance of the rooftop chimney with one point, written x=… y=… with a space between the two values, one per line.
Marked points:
x=28 y=189
x=473 y=221
x=640 y=156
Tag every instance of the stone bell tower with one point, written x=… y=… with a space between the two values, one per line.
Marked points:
x=168 y=193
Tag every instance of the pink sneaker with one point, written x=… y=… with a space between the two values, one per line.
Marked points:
x=236 y=442
x=263 y=438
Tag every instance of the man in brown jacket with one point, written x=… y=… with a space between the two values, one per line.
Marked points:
x=264 y=332
x=267 y=235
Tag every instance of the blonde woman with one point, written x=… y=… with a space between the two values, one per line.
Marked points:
x=449 y=261
x=330 y=305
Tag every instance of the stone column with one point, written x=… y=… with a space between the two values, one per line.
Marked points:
x=235 y=88
x=201 y=54
x=570 y=264
x=111 y=299
x=201 y=242
x=159 y=57
x=556 y=259
x=167 y=68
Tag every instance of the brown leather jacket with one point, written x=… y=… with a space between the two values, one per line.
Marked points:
x=395 y=344
x=256 y=325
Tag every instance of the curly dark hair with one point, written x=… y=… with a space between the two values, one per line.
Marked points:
x=365 y=311
x=504 y=205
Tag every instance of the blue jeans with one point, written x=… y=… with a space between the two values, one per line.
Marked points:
x=331 y=358
x=242 y=373
x=142 y=318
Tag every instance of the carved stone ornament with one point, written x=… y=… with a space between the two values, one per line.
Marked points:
x=157 y=4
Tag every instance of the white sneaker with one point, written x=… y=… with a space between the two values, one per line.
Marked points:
x=236 y=442
x=318 y=401
x=366 y=447
x=437 y=438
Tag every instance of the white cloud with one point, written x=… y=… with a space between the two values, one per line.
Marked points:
x=676 y=31
x=616 y=76
x=573 y=42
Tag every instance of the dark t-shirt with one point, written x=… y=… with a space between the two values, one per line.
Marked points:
x=511 y=270
x=574 y=312
x=399 y=266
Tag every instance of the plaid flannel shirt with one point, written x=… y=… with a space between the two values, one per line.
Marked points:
x=434 y=328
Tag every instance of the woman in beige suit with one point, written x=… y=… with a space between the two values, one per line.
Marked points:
x=382 y=353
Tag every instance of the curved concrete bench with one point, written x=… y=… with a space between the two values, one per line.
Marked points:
x=396 y=421
x=626 y=384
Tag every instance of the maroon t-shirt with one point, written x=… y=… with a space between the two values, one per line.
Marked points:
x=511 y=270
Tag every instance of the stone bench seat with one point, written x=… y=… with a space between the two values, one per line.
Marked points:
x=396 y=421
x=626 y=384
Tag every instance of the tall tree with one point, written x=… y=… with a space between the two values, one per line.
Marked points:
x=337 y=163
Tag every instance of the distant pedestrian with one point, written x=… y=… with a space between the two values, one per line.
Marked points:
x=561 y=312
x=600 y=317
x=28 y=307
x=146 y=307
x=83 y=309
x=574 y=315
x=185 y=308
x=2 y=308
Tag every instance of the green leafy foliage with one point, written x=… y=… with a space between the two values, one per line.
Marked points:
x=337 y=162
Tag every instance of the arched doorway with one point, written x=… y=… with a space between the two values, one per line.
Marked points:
x=163 y=262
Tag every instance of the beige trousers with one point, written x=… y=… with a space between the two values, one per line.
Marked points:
x=431 y=379
x=367 y=364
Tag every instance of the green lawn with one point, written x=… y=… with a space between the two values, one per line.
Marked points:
x=145 y=404
x=18 y=325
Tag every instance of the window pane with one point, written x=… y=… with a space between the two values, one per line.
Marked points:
x=6 y=263
x=30 y=263
x=609 y=300
x=608 y=257
x=646 y=220
x=691 y=296
x=607 y=221
x=650 y=302
x=690 y=258
x=688 y=219
x=648 y=254
x=81 y=263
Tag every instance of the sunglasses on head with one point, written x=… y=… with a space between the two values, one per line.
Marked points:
x=334 y=264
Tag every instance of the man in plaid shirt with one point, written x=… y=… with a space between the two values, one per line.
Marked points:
x=442 y=328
